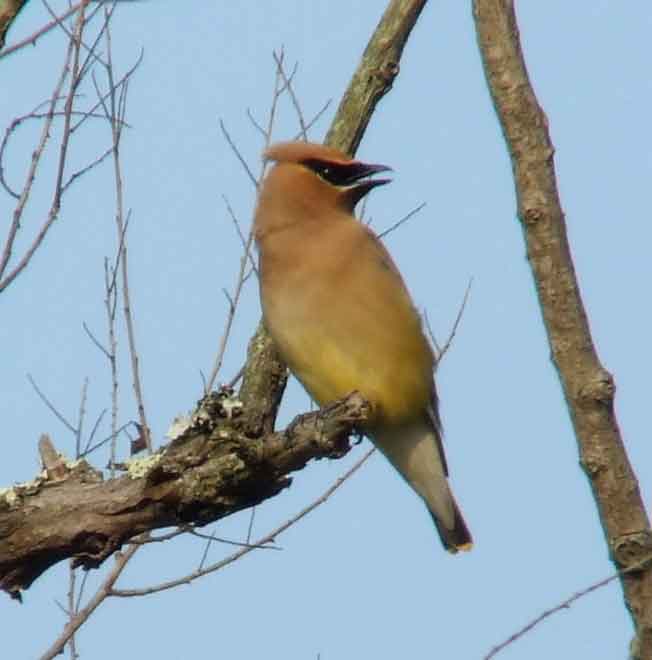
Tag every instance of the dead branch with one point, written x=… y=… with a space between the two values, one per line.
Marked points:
x=213 y=468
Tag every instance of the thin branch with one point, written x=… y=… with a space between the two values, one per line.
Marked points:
x=51 y=406
x=93 y=432
x=110 y=302
x=87 y=168
x=34 y=115
x=402 y=221
x=115 y=269
x=115 y=116
x=31 y=39
x=440 y=351
x=29 y=179
x=250 y=527
x=90 y=50
x=255 y=124
x=246 y=244
x=564 y=605
x=102 y=442
x=72 y=64
x=238 y=155
x=234 y=381
x=103 y=97
x=95 y=340
x=80 y=418
x=239 y=544
x=72 y=578
x=122 y=559
x=293 y=97
x=204 y=555
x=233 y=301
x=162 y=538
x=80 y=593
x=315 y=118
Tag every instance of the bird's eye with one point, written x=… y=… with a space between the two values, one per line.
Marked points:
x=330 y=172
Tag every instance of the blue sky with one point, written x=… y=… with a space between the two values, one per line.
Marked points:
x=364 y=575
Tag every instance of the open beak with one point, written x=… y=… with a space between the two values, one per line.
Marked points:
x=358 y=185
x=361 y=170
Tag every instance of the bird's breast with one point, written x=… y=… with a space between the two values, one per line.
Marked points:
x=344 y=322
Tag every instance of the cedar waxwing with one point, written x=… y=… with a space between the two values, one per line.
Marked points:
x=337 y=308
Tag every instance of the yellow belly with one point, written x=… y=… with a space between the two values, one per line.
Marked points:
x=393 y=371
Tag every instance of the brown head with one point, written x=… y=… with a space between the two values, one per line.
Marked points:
x=309 y=181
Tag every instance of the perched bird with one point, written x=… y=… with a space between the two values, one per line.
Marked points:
x=337 y=307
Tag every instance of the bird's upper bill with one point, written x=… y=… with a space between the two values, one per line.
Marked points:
x=330 y=164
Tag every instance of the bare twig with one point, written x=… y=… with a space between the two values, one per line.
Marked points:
x=72 y=608
x=91 y=54
x=80 y=592
x=279 y=87
x=403 y=220
x=211 y=537
x=34 y=115
x=564 y=605
x=87 y=168
x=244 y=240
x=29 y=181
x=103 y=97
x=80 y=419
x=115 y=115
x=440 y=351
x=233 y=302
x=93 y=432
x=100 y=443
x=238 y=154
x=255 y=123
x=315 y=118
x=31 y=39
x=122 y=559
x=110 y=302
x=250 y=527
x=94 y=339
x=293 y=97
x=74 y=70
x=51 y=406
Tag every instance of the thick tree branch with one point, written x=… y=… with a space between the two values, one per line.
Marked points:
x=589 y=389
x=375 y=74
x=215 y=467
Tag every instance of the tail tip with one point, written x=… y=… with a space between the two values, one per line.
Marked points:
x=462 y=547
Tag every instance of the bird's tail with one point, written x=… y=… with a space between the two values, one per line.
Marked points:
x=416 y=451
x=455 y=539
